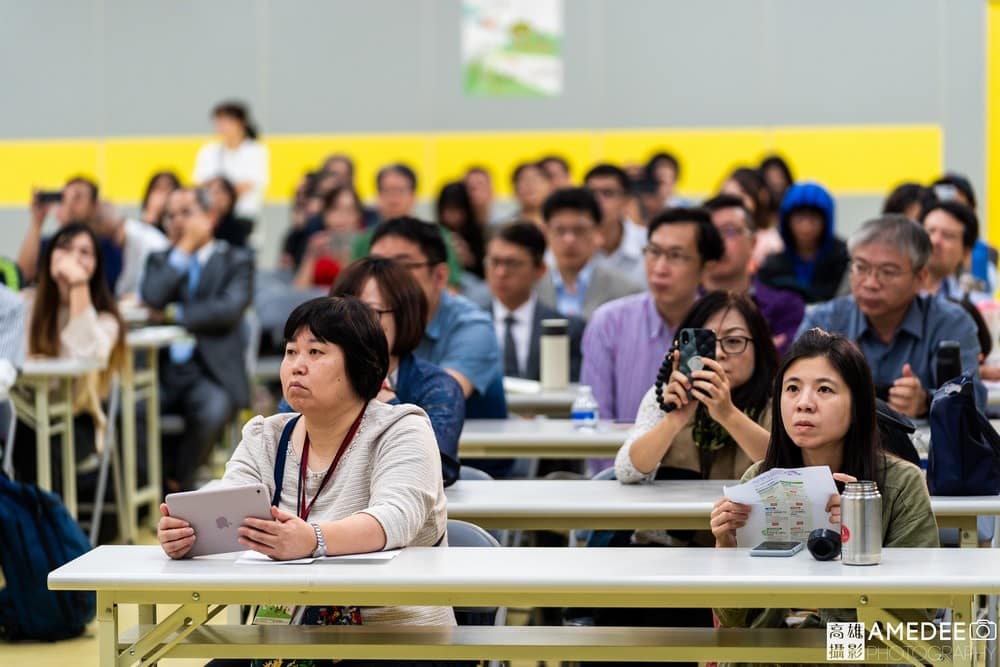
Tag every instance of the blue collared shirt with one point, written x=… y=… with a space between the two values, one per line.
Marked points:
x=928 y=322
x=568 y=304
x=460 y=337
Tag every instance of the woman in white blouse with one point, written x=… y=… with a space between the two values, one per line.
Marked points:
x=74 y=316
x=237 y=156
x=357 y=475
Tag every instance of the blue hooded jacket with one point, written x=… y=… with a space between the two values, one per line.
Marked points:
x=816 y=279
x=806 y=195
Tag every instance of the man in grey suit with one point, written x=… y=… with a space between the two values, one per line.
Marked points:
x=204 y=285
x=578 y=281
x=514 y=264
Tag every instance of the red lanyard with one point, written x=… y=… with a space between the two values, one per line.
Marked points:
x=302 y=507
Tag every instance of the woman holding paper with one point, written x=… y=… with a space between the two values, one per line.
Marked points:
x=356 y=475
x=824 y=415
x=722 y=428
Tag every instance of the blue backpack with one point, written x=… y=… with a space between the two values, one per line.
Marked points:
x=964 y=458
x=37 y=535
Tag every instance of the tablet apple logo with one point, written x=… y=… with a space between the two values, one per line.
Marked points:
x=222 y=523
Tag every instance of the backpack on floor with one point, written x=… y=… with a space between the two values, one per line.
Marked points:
x=37 y=535
x=964 y=458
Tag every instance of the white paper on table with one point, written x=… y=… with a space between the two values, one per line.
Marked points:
x=257 y=558
x=785 y=504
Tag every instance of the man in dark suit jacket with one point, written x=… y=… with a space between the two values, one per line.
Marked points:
x=204 y=285
x=514 y=264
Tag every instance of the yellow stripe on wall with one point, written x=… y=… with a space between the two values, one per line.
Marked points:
x=851 y=160
x=993 y=121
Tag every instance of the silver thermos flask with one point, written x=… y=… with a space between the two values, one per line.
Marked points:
x=554 y=351
x=861 y=524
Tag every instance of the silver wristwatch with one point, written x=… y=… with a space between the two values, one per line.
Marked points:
x=320 y=541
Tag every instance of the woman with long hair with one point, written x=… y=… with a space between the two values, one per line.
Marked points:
x=455 y=212
x=824 y=414
x=74 y=315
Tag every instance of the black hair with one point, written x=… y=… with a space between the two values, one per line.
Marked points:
x=752 y=184
x=175 y=182
x=526 y=235
x=863 y=455
x=340 y=157
x=753 y=395
x=960 y=183
x=962 y=213
x=427 y=235
x=397 y=168
x=230 y=189
x=656 y=159
x=556 y=159
x=775 y=161
x=903 y=196
x=524 y=166
x=719 y=202
x=89 y=183
x=572 y=199
x=606 y=170
x=238 y=112
x=354 y=328
x=710 y=245
x=456 y=195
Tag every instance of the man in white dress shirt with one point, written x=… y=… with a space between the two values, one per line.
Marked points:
x=623 y=239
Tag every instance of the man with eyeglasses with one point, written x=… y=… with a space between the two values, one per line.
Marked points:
x=459 y=335
x=205 y=285
x=897 y=328
x=953 y=229
x=578 y=280
x=623 y=239
x=626 y=340
x=782 y=309
x=514 y=264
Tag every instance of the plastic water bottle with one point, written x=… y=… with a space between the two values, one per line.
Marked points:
x=584 y=410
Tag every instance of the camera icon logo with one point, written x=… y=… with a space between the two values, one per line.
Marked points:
x=983 y=630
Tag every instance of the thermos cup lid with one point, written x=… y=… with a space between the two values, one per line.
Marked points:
x=555 y=327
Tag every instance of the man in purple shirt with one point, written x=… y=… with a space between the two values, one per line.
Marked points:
x=626 y=339
x=783 y=309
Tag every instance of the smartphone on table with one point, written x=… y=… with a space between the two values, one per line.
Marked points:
x=775 y=548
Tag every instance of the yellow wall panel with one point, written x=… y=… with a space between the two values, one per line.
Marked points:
x=851 y=160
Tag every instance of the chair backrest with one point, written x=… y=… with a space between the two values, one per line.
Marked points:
x=250 y=335
x=465 y=534
x=468 y=472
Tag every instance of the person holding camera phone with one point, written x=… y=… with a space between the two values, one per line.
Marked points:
x=719 y=416
x=824 y=413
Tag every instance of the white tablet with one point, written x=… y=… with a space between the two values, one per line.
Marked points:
x=217 y=513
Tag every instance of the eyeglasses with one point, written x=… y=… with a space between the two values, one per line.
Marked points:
x=505 y=263
x=883 y=274
x=734 y=344
x=673 y=256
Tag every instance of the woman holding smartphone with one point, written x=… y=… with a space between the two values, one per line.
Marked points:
x=722 y=427
x=824 y=414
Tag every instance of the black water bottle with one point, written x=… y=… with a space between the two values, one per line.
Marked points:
x=949 y=362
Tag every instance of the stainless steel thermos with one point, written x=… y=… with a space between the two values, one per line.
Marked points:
x=861 y=524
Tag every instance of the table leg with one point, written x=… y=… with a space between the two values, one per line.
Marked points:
x=963 y=650
x=69 y=450
x=147 y=614
x=128 y=504
x=107 y=630
x=968 y=532
x=153 y=443
x=43 y=436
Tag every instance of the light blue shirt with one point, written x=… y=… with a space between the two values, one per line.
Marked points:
x=460 y=337
x=568 y=304
x=928 y=322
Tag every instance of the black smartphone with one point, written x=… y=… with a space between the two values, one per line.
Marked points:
x=949 y=361
x=694 y=346
x=49 y=196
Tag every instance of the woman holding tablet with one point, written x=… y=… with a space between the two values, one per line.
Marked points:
x=356 y=475
x=824 y=414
